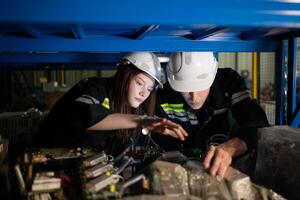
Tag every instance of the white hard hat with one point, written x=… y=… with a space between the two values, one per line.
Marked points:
x=149 y=63
x=191 y=71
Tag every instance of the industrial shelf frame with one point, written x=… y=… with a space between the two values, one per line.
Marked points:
x=33 y=33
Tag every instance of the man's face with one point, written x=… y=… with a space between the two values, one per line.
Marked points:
x=140 y=88
x=195 y=99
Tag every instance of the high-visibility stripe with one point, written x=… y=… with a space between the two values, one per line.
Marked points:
x=84 y=100
x=105 y=103
x=181 y=114
x=173 y=105
x=236 y=100
x=220 y=111
x=192 y=116
x=177 y=108
x=183 y=119
x=194 y=122
x=87 y=99
x=238 y=94
x=176 y=111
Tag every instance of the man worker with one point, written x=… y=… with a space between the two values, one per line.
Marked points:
x=214 y=107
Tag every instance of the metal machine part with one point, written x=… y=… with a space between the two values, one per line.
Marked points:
x=161 y=197
x=98 y=170
x=203 y=185
x=46 y=182
x=278 y=160
x=240 y=185
x=173 y=156
x=101 y=182
x=168 y=179
x=60 y=154
x=94 y=160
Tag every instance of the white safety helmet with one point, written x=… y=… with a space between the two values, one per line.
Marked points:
x=149 y=63
x=191 y=71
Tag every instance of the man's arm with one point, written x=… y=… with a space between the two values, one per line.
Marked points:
x=218 y=158
x=249 y=117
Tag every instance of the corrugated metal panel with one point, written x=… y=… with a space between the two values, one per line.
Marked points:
x=244 y=62
x=227 y=60
x=267 y=69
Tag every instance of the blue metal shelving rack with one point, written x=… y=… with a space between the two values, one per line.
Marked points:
x=95 y=31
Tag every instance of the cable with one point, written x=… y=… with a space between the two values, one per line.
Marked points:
x=159 y=147
x=131 y=182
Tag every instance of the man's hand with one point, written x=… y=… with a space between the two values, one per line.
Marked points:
x=165 y=127
x=218 y=158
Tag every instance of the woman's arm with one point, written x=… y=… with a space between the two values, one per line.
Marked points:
x=117 y=121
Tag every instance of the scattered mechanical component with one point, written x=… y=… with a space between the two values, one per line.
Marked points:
x=96 y=159
x=98 y=170
x=101 y=182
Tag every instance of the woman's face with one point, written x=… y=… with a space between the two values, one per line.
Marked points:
x=140 y=88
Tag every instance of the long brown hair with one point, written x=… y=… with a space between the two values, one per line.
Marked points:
x=119 y=87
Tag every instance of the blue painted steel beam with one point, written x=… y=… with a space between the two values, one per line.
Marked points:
x=269 y=34
x=201 y=34
x=215 y=12
x=145 y=31
x=281 y=83
x=292 y=78
x=22 y=58
x=296 y=118
x=9 y=44
x=54 y=66
x=77 y=31
x=33 y=31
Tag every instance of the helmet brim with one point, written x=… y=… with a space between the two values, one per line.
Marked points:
x=190 y=86
x=157 y=81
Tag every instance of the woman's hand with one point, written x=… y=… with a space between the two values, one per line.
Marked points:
x=116 y=121
x=164 y=126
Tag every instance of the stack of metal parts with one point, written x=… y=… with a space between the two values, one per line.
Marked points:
x=50 y=173
x=201 y=184
x=45 y=184
x=169 y=179
x=99 y=173
x=278 y=160
x=190 y=179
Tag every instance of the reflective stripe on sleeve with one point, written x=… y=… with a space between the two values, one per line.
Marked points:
x=105 y=103
x=87 y=99
x=239 y=96
x=176 y=111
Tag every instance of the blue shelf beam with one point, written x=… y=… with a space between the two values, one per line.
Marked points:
x=36 y=58
x=293 y=43
x=32 y=31
x=281 y=83
x=126 y=45
x=145 y=31
x=77 y=31
x=296 y=118
x=271 y=13
x=202 y=34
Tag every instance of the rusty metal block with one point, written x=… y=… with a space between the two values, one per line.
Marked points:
x=278 y=160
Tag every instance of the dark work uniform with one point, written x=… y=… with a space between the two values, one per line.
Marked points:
x=82 y=106
x=228 y=112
